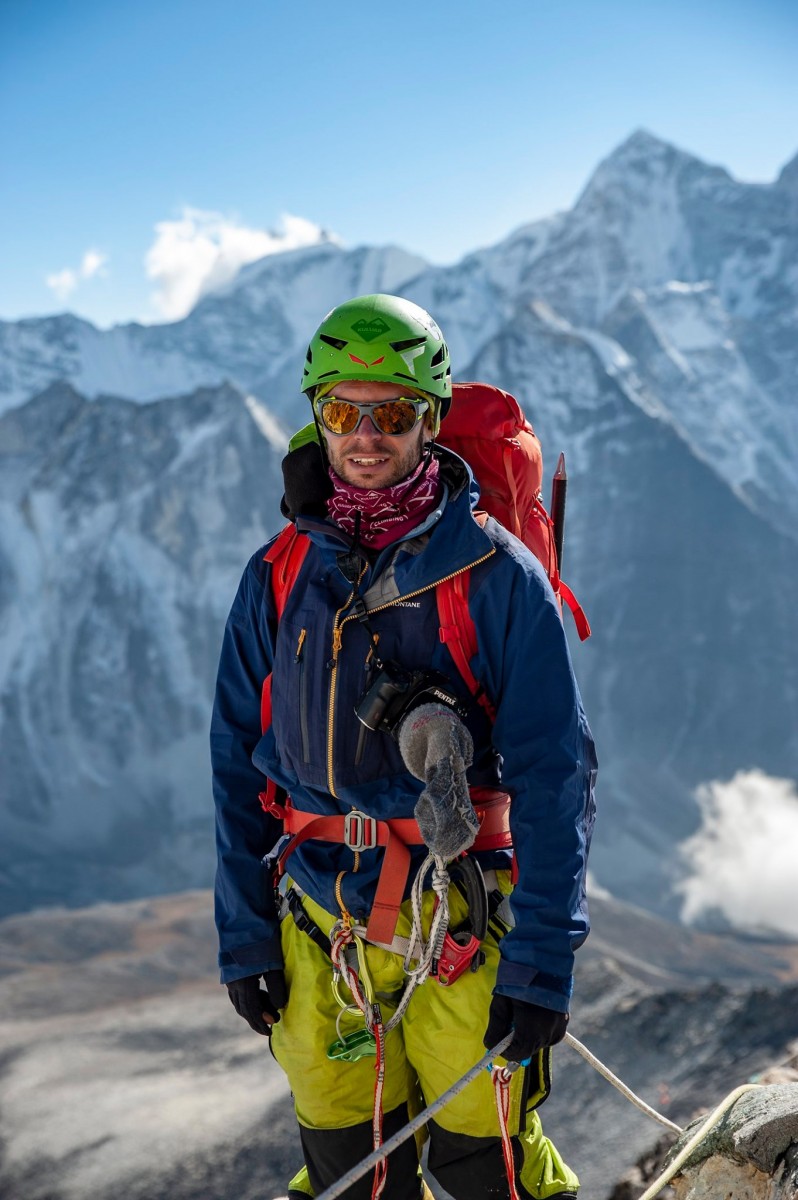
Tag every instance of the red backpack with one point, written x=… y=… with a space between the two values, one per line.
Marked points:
x=487 y=427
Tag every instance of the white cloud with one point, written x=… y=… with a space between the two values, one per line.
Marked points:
x=742 y=861
x=201 y=251
x=93 y=263
x=63 y=283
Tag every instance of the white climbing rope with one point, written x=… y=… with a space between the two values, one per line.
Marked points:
x=662 y=1180
x=599 y=1066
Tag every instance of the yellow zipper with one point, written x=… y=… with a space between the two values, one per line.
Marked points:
x=338 y=636
x=346 y=916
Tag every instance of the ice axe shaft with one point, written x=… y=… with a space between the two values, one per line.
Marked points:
x=559 y=488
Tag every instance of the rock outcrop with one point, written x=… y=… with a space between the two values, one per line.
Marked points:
x=751 y=1154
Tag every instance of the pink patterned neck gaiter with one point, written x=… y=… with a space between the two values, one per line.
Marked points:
x=386 y=514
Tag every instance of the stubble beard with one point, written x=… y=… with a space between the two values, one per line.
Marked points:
x=399 y=465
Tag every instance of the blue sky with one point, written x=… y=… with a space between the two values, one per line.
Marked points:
x=185 y=131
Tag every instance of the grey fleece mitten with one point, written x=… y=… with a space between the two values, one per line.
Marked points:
x=437 y=748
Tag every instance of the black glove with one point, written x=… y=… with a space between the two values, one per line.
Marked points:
x=307 y=484
x=534 y=1027
x=259 y=1008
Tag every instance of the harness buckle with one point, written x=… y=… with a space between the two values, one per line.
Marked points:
x=360 y=830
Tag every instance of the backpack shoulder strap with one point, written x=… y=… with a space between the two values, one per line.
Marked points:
x=286 y=555
x=458 y=631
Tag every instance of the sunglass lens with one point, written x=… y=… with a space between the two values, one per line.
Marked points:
x=394 y=416
x=339 y=416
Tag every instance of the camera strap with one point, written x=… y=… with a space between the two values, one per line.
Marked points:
x=362 y=614
x=351 y=567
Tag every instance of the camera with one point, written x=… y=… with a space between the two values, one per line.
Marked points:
x=395 y=691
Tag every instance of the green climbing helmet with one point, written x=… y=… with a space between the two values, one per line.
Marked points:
x=385 y=339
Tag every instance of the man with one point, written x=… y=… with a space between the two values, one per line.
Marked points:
x=385 y=516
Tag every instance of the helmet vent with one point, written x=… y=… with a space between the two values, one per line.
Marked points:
x=336 y=343
x=408 y=344
x=439 y=356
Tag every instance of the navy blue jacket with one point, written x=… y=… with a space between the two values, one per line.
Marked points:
x=540 y=746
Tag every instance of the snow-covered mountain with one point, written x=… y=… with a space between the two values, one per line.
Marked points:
x=123 y=530
x=649 y=332
x=687 y=281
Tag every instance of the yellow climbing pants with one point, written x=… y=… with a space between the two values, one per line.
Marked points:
x=437 y=1041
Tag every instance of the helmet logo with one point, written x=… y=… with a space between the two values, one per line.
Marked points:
x=367 y=331
x=362 y=362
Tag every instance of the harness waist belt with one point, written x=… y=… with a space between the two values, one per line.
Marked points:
x=359 y=831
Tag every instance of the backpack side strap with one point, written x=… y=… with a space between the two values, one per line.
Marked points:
x=577 y=612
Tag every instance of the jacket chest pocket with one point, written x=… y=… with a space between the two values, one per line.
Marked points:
x=295 y=694
x=302 y=688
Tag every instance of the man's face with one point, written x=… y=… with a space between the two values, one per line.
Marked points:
x=368 y=458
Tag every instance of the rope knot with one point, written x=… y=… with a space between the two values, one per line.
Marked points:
x=440 y=877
